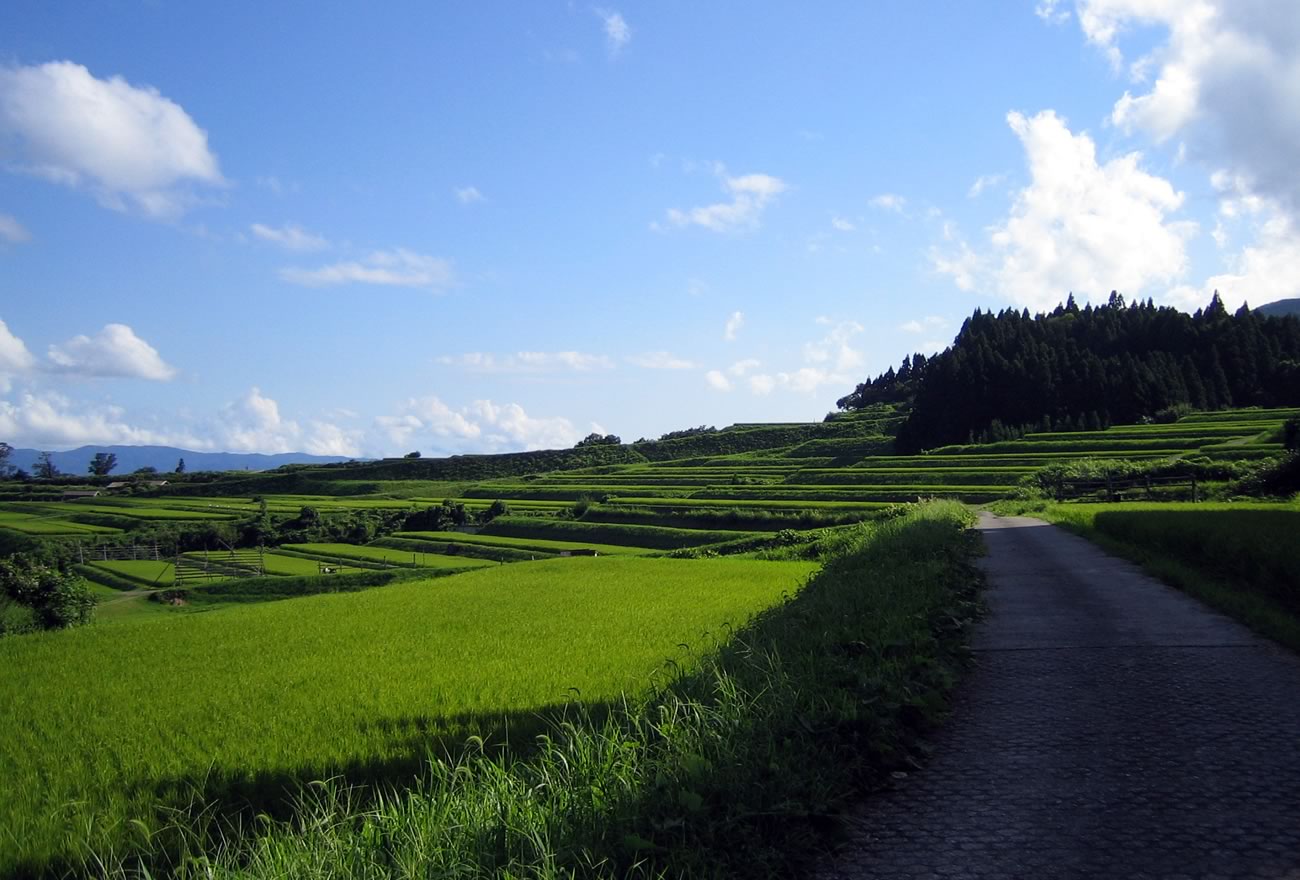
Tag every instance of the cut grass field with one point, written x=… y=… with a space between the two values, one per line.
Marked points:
x=359 y=685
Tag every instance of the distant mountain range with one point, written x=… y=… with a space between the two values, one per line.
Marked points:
x=1281 y=307
x=164 y=458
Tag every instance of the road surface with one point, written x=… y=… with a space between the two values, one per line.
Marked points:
x=1112 y=727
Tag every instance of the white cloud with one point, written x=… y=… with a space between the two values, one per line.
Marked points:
x=983 y=182
x=717 y=380
x=114 y=352
x=1051 y=11
x=528 y=361
x=740 y=368
x=889 y=202
x=480 y=427
x=842 y=224
x=831 y=360
x=395 y=268
x=734 y=323
x=468 y=195
x=14 y=356
x=1266 y=270
x=930 y=322
x=52 y=420
x=617 y=32
x=660 y=360
x=290 y=237
x=129 y=144
x=750 y=195
x=254 y=424
x=12 y=231
x=1079 y=226
x=1227 y=81
x=326 y=438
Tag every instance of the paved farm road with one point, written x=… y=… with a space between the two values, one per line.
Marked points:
x=1113 y=727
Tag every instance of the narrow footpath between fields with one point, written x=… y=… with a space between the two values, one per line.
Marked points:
x=1112 y=727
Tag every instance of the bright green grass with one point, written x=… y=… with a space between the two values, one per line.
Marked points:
x=96 y=720
x=146 y=572
x=390 y=556
x=274 y=563
x=152 y=512
x=31 y=524
x=526 y=543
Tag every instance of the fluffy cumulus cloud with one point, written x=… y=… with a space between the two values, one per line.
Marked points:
x=253 y=423
x=114 y=352
x=660 y=360
x=528 y=362
x=1225 y=84
x=12 y=231
x=15 y=359
x=395 y=268
x=750 y=194
x=467 y=195
x=128 y=144
x=717 y=380
x=1080 y=225
x=290 y=237
x=889 y=202
x=617 y=32
x=49 y=419
x=429 y=424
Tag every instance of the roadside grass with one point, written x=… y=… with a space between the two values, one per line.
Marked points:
x=1240 y=558
x=109 y=729
x=737 y=765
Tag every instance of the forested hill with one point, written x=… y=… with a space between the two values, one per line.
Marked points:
x=1087 y=368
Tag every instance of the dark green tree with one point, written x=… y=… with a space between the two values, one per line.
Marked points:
x=45 y=469
x=103 y=463
x=5 y=452
x=57 y=599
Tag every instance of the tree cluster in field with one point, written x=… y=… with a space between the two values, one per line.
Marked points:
x=1081 y=369
x=594 y=439
x=35 y=595
x=310 y=526
x=450 y=514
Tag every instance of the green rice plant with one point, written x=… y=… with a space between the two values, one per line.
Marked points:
x=527 y=544
x=108 y=729
x=652 y=537
x=386 y=555
x=731 y=768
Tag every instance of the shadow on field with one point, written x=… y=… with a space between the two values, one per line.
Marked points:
x=224 y=804
x=412 y=741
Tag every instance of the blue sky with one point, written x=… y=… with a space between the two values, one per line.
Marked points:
x=491 y=226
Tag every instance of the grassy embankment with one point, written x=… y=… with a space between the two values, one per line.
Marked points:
x=731 y=764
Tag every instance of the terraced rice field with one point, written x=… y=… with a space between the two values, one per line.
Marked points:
x=309 y=688
x=386 y=555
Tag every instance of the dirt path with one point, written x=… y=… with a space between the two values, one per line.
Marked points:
x=1113 y=727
